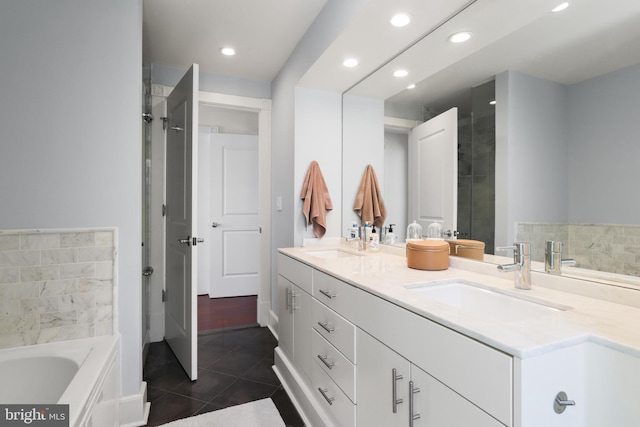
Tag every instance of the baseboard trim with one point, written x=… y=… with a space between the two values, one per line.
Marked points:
x=134 y=409
x=273 y=323
x=264 y=309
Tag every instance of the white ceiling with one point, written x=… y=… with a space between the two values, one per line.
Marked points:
x=588 y=39
x=178 y=33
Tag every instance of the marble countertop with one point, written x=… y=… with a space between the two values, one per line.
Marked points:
x=386 y=275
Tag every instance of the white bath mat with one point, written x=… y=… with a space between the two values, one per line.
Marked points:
x=261 y=413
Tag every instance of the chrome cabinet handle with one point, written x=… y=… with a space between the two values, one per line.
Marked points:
x=328 y=294
x=293 y=300
x=412 y=390
x=326 y=327
x=177 y=128
x=329 y=365
x=186 y=241
x=323 y=392
x=288 y=299
x=394 y=390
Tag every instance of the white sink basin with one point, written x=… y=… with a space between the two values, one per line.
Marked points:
x=332 y=253
x=487 y=303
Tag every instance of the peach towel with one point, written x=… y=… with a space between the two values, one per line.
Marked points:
x=317 y=201
x=369 y=204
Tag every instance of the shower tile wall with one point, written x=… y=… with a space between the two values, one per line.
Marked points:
x=604 y=247
x=56 y=285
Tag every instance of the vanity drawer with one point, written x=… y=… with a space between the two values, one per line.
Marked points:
x=332 y=399
x=335 y=293
x=297 y=272
x=335 y=364
x=335 y=329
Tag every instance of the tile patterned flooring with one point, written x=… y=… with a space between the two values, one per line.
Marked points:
x=234 y=367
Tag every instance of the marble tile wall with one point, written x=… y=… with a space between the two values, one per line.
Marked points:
x=603 y=247
x=56 y=285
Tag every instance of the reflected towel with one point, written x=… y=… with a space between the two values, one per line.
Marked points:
x=317 y=201
x=369 y=204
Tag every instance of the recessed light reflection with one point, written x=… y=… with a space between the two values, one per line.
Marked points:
x=228 y=51
x=460 y=37
x=400 y=73
x=401 y=20
x=560 y=7
x=350 y=62
x=492 y=102
x=411 y=86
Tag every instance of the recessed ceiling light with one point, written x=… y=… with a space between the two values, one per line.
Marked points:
x=460 y=37
x=492 y=102
x=560 y=7
x=228 y=51
x=350 y=62
x=400 y=73
x=401 y=20
x=411 y=86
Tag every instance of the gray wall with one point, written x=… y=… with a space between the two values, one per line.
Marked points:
x=604 y=149
x=70 y=115
x=531 y=152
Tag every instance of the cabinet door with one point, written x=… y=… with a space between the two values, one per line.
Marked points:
x=302 y=329
x=375 y=383
x=439 y=406
x=285 y=315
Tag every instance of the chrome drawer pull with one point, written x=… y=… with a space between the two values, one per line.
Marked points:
x=324 y=360
x=326 y=327
x=323 y=392
x=412 y=390
x=394 y=390
x=328 y=294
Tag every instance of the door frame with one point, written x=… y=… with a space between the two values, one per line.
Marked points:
x=262 y=106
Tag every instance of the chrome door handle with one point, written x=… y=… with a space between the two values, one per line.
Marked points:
x=394 y=390
x=186 y=241
x=147 y=271
x=412 y=390
x=323 y=392
x=177 y=128
x=326 y=327
x=197 y=240
x=215 y=224
x=329 y=365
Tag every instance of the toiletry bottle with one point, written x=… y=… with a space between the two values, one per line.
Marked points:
x=353 y=231
x=391 y=236
x=374 y=240
x=367 y=231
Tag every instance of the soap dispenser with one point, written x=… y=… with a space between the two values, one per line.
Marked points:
x=391 y=237
x=374 y=240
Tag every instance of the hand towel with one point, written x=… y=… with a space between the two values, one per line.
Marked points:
x=317 y=201
x=369 y=204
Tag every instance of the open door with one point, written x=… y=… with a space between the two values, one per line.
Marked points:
x=180 y=309
x=433 y=173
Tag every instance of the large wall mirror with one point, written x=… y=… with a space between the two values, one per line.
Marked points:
x=549 y=141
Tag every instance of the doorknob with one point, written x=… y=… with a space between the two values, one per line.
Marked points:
x=186 y=241
x=216 y=224
x=197 y=240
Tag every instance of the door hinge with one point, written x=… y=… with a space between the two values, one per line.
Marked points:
x=164 y=210
x=164 y=296
x=164 y=122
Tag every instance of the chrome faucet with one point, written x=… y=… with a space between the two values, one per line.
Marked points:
x=521 y=264
x=553 y=261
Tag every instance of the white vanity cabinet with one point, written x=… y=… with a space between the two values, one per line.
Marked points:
x=294 y=311
x=395 y=392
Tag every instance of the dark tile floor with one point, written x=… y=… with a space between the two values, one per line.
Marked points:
x=234 y=367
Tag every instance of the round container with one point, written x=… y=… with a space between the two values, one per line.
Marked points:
x=428 y=255
x=434 y=231
x=473 y=249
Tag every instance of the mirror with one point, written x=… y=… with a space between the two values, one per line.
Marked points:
x=567 y=92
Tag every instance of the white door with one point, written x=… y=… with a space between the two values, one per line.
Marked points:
x=235 y=236
x=433 y=172
x=180 y=310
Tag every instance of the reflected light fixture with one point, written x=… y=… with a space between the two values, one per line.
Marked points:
x=400 y=73
x=401 y=20
x=492 y=102
x=411 y=86
x=350 y=62
x=228 y=51
x=560 y=7
x=460 y=37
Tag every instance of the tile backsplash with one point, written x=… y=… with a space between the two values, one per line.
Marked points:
x=605 y=247
x=56 y=285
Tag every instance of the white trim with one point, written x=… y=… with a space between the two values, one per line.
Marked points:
x=134 y=409
x=273 y=324
x=398 y=123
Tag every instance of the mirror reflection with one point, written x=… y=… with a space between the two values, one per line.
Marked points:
x=553 y=159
